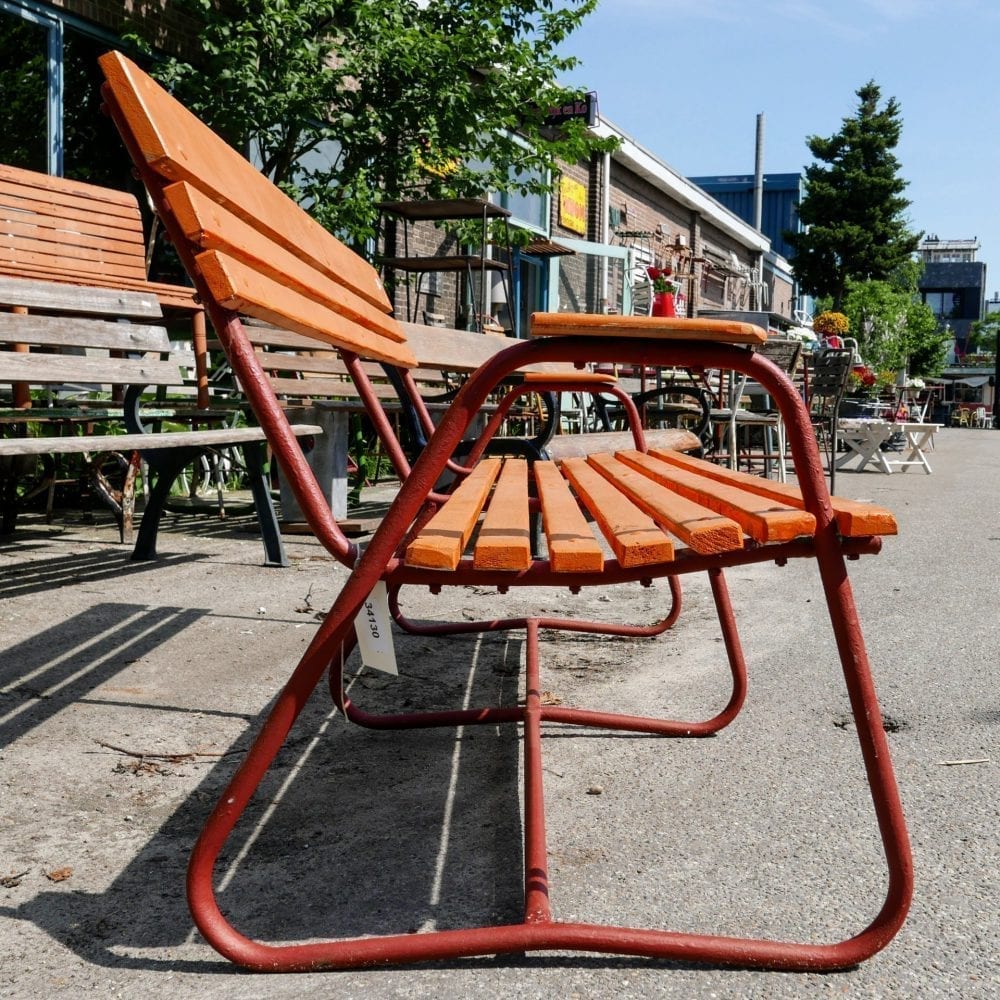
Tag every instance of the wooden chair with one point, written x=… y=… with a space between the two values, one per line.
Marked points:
x=252 y=251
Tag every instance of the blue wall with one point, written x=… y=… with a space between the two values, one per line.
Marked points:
x=779 y=208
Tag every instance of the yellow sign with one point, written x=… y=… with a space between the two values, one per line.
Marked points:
x=573 y=205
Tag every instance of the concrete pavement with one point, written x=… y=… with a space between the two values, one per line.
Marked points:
x=128 y=691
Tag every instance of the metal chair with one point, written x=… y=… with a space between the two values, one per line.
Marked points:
x=827 y=384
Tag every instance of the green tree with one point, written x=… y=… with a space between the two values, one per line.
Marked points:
x=348 y=102
x=894 y=329
x=983 y=335
x=853 y=206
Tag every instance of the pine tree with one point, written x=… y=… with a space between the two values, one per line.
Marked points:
x=853 y=207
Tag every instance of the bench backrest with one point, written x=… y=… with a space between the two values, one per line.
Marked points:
x=263 y=255
x=81 y=336
x=65 y=230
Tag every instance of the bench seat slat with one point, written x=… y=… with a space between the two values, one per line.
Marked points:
x=504 y=540
x=572 y=545
x=633 y=535
x=628 y=503
x=854 y=519
x=441 y=543
x=763 y=519
x=704 y=530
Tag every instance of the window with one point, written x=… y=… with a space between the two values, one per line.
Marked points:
x=24 y=56
x=50 y=117
x=945 y=305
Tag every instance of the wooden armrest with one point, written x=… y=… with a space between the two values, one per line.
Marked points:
x=654 y=327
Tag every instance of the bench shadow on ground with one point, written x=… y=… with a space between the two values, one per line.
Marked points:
x=354 y=831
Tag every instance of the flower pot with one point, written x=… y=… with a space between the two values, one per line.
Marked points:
x=663 y=304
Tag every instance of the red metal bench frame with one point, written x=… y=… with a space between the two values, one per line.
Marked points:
x=687 y=346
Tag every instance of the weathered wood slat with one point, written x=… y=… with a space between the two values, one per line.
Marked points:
x=81 y=299
x=564 y=446
x=98 y=443
x=65 y=331
x=55 y=369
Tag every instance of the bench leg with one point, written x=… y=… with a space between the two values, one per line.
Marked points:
x=257 y=475
x=539 y=929
x=167 y=464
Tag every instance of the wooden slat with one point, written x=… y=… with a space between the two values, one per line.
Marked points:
x=173 y=296
x=236 y=286
x=97 y=443
x=572 y=545
x=80 y=299
x=854 y=519
x=66 y=331
x=56 y=369
x=704 y=530
x=178 y=146
x=504 y=539
x=763 y=519
x=16 y=180
x=653 y=327
x=212 y=227
x=563 y=446
x=633 y=536
x=443 y=539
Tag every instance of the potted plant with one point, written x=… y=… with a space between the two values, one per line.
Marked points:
x=664 y=290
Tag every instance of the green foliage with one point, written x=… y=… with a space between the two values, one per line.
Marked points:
x=853 y=207
x=983 y=335
x=894 y=329
x=349 y=102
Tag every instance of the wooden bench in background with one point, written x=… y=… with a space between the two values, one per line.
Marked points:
x=312 y=381
x=90 y=354
x=72 y=232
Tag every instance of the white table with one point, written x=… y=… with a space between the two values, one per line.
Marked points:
x=864 y=440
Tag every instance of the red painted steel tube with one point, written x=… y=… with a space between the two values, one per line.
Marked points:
x=536 y=869
x=381 y=558
x=545 y=622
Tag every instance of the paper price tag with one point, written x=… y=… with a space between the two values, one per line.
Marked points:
x=374 y=633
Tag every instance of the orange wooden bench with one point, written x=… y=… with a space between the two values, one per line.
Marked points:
x=250 y=251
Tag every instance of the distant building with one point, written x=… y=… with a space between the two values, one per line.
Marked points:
x=953 y=285
x=780 y=200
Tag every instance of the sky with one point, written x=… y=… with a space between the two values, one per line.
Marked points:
x=687 y=79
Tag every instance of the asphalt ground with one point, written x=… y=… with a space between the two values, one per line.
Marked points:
x=128 y=691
